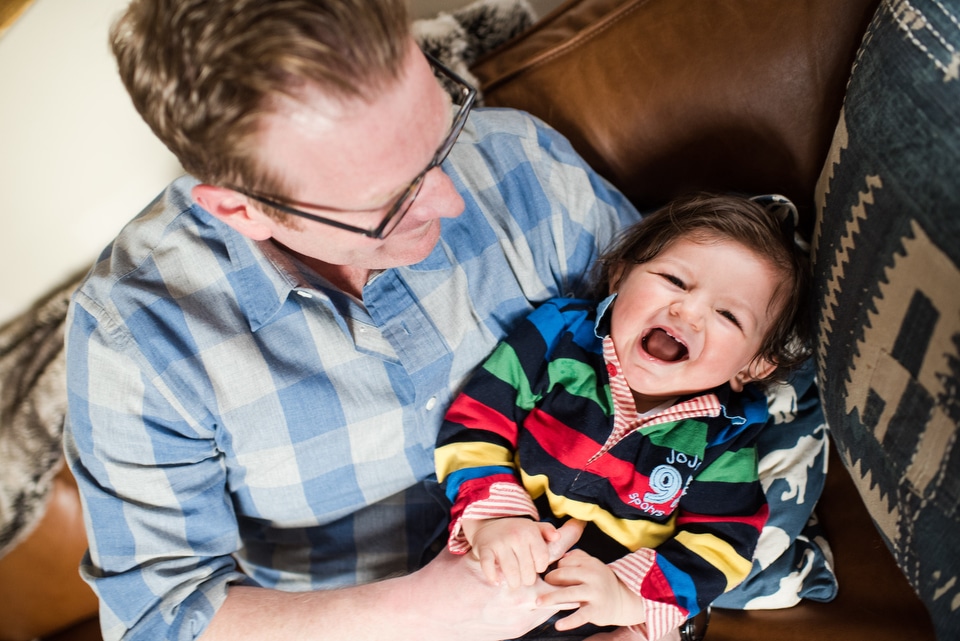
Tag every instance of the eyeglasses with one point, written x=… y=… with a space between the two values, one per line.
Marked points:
x=464 y=95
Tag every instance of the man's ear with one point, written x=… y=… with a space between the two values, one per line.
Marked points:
x=759 y=368
x=233 y=209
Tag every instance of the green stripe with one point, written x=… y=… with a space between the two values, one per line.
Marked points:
x=576 y=377
x=690 y=438
x=733 y=467
x=505 y=365
x=579 y=379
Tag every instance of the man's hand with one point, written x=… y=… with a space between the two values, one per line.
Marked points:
x=603 y=598
x=458 y=597
x=513 y=547
x=447 y=597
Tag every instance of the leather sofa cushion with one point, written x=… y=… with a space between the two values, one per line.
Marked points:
x=662 y=96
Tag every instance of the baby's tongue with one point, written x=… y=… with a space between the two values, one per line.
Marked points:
x=660 y=344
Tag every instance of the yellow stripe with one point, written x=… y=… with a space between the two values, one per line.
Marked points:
x=457 y=456
x=633 y=535
x=717 y=553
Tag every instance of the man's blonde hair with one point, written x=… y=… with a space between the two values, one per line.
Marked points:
x=203 y=72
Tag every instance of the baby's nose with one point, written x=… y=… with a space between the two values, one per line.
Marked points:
x=689 y=311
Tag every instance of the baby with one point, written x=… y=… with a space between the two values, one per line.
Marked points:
x=638 y=415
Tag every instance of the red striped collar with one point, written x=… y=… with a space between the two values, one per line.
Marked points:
x=625 y=416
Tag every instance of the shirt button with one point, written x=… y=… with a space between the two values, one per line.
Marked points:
x=611 y=369
x=431 y=403
x=300 y=292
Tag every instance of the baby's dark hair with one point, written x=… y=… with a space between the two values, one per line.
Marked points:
x=711 y=217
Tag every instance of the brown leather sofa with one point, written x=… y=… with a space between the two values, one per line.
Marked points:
x=665 y=97
x=715 y=94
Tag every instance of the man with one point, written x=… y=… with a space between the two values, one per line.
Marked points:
x=259 y=364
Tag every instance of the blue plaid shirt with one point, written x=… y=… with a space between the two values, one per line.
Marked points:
x=232 y=418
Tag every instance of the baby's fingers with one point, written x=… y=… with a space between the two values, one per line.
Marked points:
x=563 y=599
x=516 y=567
x=489 y=565
x=540 y=551
x=565 y=575
x=574 y=620
x=532 y=562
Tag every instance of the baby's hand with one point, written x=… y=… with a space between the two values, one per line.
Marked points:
x=603 y=598
x=514 y=547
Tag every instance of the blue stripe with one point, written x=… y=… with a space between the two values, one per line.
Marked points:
x=684 y=589
x=459 y=477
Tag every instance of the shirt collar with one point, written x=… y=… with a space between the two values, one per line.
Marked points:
x=261 y=285
x=601 y=326
x=626 y=417
x=265 y=275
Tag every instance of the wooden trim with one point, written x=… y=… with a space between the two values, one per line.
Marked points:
x=10 y=10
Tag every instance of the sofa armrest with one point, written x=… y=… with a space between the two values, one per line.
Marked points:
x=41 y=591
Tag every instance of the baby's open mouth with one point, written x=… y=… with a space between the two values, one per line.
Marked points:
x=662 y=346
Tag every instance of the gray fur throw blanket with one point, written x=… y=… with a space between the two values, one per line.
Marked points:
x=33 y=403
x=33 y=395
x=459 y=38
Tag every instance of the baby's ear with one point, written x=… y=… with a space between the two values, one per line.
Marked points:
x=617 y=272
x=758 y=369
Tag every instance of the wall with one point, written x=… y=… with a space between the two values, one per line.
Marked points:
x=76 y=161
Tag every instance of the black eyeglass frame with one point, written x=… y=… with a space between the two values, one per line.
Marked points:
x=403 y=203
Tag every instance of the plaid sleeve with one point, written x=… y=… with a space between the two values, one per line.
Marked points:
x=154 y=555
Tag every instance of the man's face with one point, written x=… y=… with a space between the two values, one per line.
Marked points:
x=361 y=156
x=693 y=318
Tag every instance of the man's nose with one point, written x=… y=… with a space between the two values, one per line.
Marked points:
x=438 y=198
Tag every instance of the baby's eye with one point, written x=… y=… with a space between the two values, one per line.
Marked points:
x=730 y=317
x=673 y=280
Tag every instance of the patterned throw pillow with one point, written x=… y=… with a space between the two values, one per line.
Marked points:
x=887 y=248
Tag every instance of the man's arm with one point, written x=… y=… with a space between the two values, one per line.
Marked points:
x=448 y=594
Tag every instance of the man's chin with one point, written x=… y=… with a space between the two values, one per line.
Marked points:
x=410 y=246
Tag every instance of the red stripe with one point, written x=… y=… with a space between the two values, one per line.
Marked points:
x=656 y=587
x=477 y=490
x=573 y=449
x=757 y=521
x=475 y=415
x=560 y=441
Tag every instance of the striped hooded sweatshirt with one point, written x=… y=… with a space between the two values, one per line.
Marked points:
x=547 y=428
